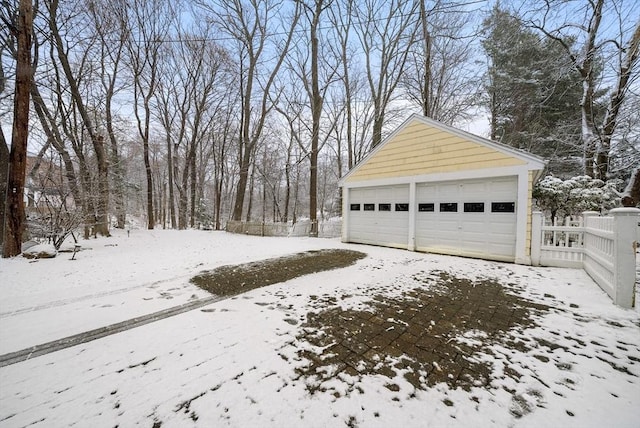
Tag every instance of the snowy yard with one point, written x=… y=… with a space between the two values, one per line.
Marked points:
x=571 y=360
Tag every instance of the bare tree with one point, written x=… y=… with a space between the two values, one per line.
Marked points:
x=440 y=76
x=386 y=31
x=313 y=13
x=58 y=111
x=49 y=124
x=291 y=109
x=22 y=29
x=260 y=55
x=615 y=46
x=149 y=24
x=222 y=135
x=341 y=16
x=111 y=30
x=170 y=105
x=5 y=43
x=188 y=100
x=350 y=105
x=316 y=88
x=88 y=123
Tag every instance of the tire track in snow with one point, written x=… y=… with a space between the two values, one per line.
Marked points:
x=87 y=336
x=77 y=299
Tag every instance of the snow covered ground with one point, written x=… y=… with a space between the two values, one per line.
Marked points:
x=233 y=363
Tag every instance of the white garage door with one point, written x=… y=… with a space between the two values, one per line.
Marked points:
x=475 y=218
x=379 y=215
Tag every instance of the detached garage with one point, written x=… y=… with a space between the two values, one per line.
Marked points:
x=430 y=187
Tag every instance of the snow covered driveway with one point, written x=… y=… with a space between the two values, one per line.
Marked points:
x=262 y=359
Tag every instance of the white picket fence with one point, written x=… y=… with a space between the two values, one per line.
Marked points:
x=326 y=229
x=605 y=247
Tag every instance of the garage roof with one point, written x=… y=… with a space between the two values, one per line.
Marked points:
x=421 y=145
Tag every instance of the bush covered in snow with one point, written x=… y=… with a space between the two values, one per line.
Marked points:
x=560 y=197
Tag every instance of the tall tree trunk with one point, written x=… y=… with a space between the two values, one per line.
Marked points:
x=287 y=190
x=147 y=169
x=218 y=200
x=88 y=205
x=192 y=184
x=494 y=118
x=116 y=166
x=245 y=162
x=250 y=202
x=316 y=112
x=244 y=148
x=183 y=211
x=103 y=187
x=426 y=88
x=378 y=123
x=632 y=51
x=14 y=226
x=170 y=202
x=4 y=168
x=4 y=177
x=631 y=195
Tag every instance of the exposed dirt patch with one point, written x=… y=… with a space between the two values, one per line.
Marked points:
x=416 y=336
x=443 y=330
x=236 y=279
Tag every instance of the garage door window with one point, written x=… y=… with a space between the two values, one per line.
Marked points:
x=503 y=207
x=474 y=207
x=355 y=207
x=402 y=207
x=384 y=207
x=426 y=208
x=449 y=207
x=369 y=207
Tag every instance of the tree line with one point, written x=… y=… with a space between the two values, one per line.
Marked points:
x=190 y=113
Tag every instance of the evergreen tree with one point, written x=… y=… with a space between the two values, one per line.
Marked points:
x=533 y=96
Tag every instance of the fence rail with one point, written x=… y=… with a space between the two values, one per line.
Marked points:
x=326 y=229
x=558 y=244
x=603 y=246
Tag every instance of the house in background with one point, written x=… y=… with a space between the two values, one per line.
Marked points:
x=433 y=188
x=45 y=187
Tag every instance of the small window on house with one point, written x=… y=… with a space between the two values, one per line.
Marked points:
x=424 y=208
x=384 y=207
x=503 y=207
x=355 y=207
x=369 y=207
x=474 y=207
x=402 y=207
x=449 y=207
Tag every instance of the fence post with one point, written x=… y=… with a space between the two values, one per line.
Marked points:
x=536 y=237
x=625 y=225
x=585 y=216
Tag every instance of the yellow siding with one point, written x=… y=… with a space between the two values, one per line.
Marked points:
x=421 y=149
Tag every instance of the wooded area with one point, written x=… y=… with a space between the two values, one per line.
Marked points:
x=191 y=113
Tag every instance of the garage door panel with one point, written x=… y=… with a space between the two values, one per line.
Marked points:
x=467 y=233
x=479 y=232
x=388 y=228
x=505 y=187
x=472 y=189
x=446 y=226
x=447 y=189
